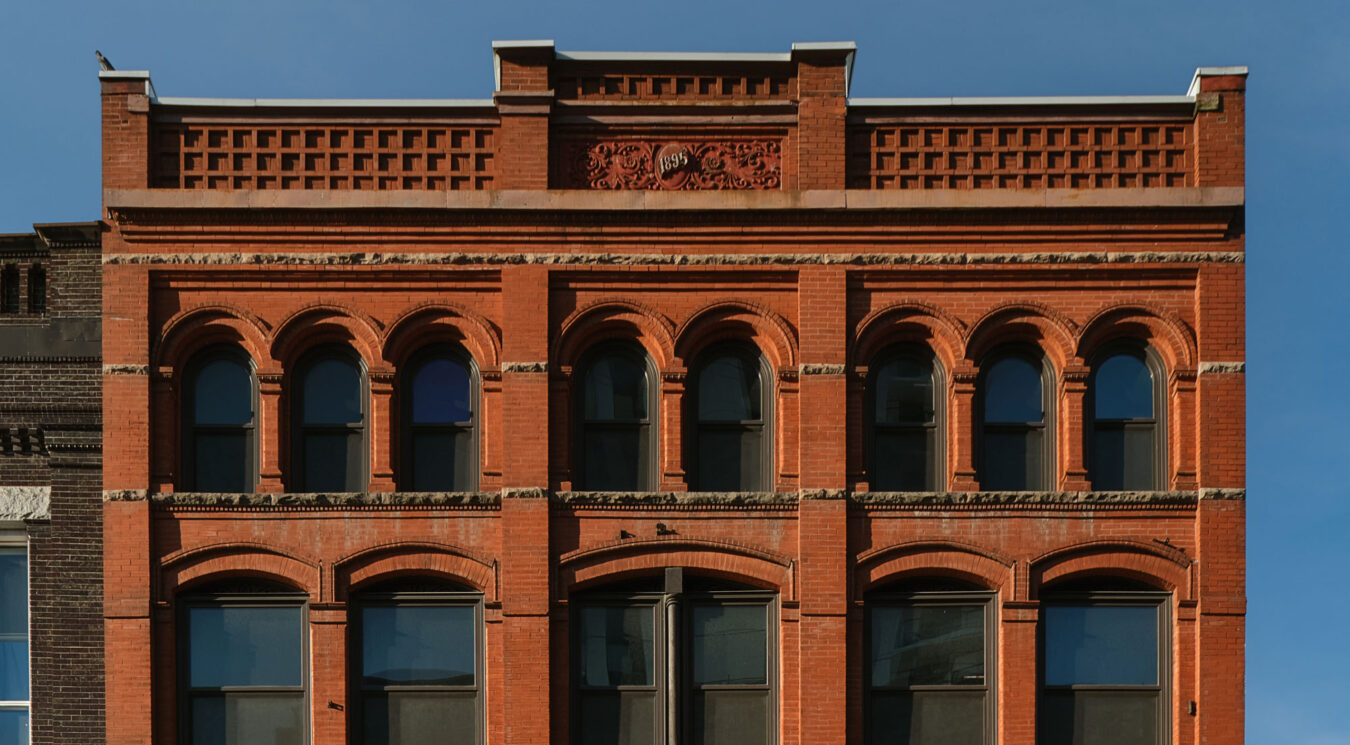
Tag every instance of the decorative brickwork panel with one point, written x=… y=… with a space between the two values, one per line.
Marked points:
x=997 y=156
x=754 y=164
x=616 y=86
x=362 y=157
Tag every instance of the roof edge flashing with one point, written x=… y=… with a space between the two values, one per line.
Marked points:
x=430 y=103
x=512 y=44
x=1209 y=72
x=957 y=101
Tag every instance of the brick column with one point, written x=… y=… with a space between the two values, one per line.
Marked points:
x=126 y=613
x=822 y=90
x=1221 y=540
x=1072 y=468
x=328 y=673
x=1220 y=127
x=126 y=128
x=961 y=430
x=269 y=431
x=1016 y=684
x=381 y=424
x=524 y=102
x=673 y=476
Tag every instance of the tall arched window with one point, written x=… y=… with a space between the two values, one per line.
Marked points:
x=903 y=405
x=1124 y=406
x=328 y=411
x=1015 y=443
x=731 y=441
x=220 y=443
x=614 y=409
x=439 y=446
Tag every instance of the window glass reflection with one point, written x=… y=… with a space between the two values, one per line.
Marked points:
x=616 y=389
x=729 y=389
x=417 y=645
x=1101 y=645
x=904 y=392
x=245 y=646
x=223 y=393
x=1012 y=392
x=617 y=646
x=1123 y=388
x=332 y=392
x=441 y=392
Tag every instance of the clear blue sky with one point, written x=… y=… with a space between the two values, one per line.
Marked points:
x=1298 y=158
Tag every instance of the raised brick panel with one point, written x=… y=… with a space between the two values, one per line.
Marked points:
x=524 y=147
x=1221 y=132
x=1221 y=300
x=126 y=134
x=990 y=155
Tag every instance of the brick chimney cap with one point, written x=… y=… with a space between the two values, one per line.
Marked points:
x=1209 y=72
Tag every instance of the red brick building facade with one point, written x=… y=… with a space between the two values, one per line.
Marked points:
x=676 y=398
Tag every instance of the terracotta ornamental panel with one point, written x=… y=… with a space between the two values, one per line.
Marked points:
x=676 y=164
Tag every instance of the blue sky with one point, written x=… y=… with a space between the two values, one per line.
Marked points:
x=1298 y=158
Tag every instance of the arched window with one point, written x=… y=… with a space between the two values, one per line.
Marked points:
x=731 y=442
x=1015 y=444
x=37 y=289
x=903 y=406
x=9 y=289
x=439 y=444
x=328 y=412
x=689 y=654
x=1125 y=403
x=219 y=404
x=615 y=404
x=931 y=658
x=242 y=666
x=417 y=658
x=1105 y=661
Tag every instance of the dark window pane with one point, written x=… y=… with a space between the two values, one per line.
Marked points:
x=238 y=646
x=332 y=392
x=617 y=646
x=729 y=389
x=442 y=460
x=729 y=644
x=14 y=670
x=1100 y=718
x=222 y=393
x=1122 y=457
x=904 y=392
x=222 y=462
x=1012 y=460
x=408 y=718
x=927 y=645
x=1101 y=645
x=417 y=645
x=1123 y=388
x=248 y=719
x=334 y=462
x=616 y=389
x=13 y=591
x=440 y=393
x=614 y=458
x=903 y=460
x=740 y=717
x=730 y=459
x=928 y=718
x=14 y=727
x=9 y=290
x=614 y=718
x=1012 y=392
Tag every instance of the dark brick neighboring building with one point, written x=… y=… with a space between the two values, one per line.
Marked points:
x=51 y=668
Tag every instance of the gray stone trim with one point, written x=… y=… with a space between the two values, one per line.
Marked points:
x=1212 y=368
x=524 y=367
x=338 y=500
x=936 y=258
x=822 y=494
x=126 y=369
x=25 y=503
x=809 y=368
x=125 y=495
x=677 y=500
x=1236 y=495
x=526 y=492
x=1024 y=499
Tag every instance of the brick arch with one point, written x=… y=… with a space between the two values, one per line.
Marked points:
x=430 y=323
x=615 y=318
x=609 y=562
x=736 y=319
x=190 y=331
x=1027 y=323
x=1163 y=566
x=322 y=323
x=195 y=566
x=1171 y=337
x=916 y=559
x=406 y=558
x=909 y=322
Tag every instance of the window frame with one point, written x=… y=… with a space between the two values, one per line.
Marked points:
x=764 y=425
x=1037 y=358
x=187 y=439
x=281 y=597
x=988 y=599
x=407 y=428
x=673 y=687
x=648 y=432
x=357 y=690
x=17 y=540
x=1157 y=424
x=299 y=430
x=1158 y=599
x=936 y=431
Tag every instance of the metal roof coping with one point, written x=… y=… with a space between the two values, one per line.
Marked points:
x=1209 y=72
